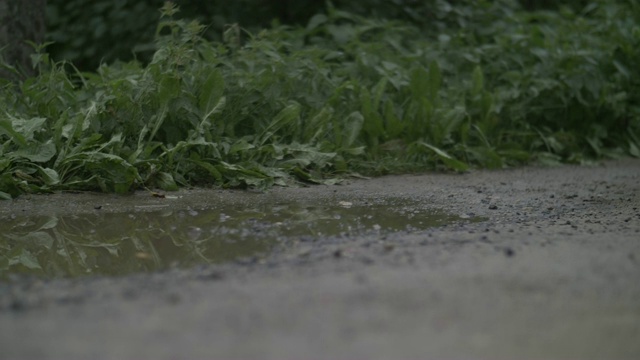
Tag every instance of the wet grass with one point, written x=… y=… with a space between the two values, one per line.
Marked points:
x=486 y=85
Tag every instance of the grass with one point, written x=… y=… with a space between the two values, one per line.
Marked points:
x=488 y=86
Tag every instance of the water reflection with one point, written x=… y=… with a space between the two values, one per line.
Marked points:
x=156 y=238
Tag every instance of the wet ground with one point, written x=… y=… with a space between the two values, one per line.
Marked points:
x=160 y=235
x=529 y=263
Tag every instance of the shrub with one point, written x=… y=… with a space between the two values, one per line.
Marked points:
x=345 y=94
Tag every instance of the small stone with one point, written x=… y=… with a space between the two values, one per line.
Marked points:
x=509 y=252
x=493 y=207
x=304 y=253
x=17 y=305
x=367 y=261
x=213 y=275
x=129 y=294
x=173 y=299
x=361 y=279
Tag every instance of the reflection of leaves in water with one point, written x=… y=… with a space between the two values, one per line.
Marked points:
x=116 y=244
x=24 y=257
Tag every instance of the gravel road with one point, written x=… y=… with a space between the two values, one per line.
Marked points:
x=551 y=272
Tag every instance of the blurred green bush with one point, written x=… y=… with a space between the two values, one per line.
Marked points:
x=89 y=32
x=479 y=83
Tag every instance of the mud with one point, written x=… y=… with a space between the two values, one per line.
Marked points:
x=552 y=271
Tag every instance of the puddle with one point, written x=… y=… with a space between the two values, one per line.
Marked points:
x=157 y=237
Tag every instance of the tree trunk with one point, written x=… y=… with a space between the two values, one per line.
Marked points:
x=20 y=21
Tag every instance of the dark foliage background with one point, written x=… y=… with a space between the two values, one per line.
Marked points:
x=256 y=93
x=88 y=32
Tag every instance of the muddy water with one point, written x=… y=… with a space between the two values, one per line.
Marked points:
x=158 y=237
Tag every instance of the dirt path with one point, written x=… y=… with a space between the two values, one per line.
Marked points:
x=552 y=273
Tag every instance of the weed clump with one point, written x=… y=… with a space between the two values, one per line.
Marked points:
x=496 y=87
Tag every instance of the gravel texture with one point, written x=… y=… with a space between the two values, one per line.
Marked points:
x=552 y=272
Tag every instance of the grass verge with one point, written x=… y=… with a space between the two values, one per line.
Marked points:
x=489 y=85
